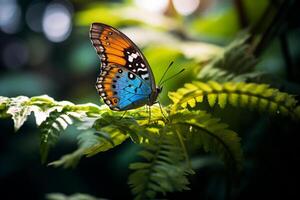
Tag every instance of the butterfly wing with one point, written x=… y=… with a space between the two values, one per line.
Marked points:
x=121 y=89
x=114 y=47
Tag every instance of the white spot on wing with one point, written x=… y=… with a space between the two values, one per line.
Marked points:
x=142 y=69
x=144 y=76
x=131 y=75
x=130 y=58
x=134 y=55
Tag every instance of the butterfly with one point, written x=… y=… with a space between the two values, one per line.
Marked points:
x=126 y=80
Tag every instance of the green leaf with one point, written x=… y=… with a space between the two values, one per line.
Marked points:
x=4 y=104
x=19 y=110
x=69 y=160
x=163 y=169
x=52 y=128
x=222 y=100
x=103 y=143
x=212 y=99
x=233 y=99
x=236 y=62
x=249 y=95
x=77 y=196
x=212 y=135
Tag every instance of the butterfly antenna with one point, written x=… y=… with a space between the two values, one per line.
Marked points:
x=165 y=72
x=173 y=76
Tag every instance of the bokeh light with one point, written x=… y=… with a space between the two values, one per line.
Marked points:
x=34 y=16
x=38 y=51
x=186 y=7
x=153 y=6
x=10 y=14
x=57 y=22
x=15 y=54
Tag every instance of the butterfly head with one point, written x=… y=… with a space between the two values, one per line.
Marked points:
x=154 y=95
x=158 y=89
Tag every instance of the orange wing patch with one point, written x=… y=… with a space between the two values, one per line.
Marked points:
x=109 y=44
x=114 y=52
x=110 y=39
x=105 y=86
x=112 y=36
x=116 y=59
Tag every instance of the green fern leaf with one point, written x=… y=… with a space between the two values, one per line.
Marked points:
x=77 y=196
x=4 y=104
x=52 y=128
x=163 y=169
x=19 y=109
x=88 y=140
x=212 y=135
x=70 y=160
x=212 y=99
x=105 y=141
x=99 y=134
x=112 y=131
x=234 y=63
x=222 y=100
x=250 y=95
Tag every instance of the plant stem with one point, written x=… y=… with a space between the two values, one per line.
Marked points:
x=274 y=27
x=243 y=19
x=286 y=55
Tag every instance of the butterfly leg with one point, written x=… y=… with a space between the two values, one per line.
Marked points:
x=123 y=115
x=149 y=109
x=161 y=110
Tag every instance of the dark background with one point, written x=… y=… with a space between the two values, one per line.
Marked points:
x=34 y=62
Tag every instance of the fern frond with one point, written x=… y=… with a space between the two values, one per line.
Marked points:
x=76 y=196
x=4 y=105
x=254 y=96
x=211 y=135
x=105 y=140
x=99 y=135
x=53 y=117
x=69 y=160
x=237 y=59
x=17 y=108
x=162 y=171
x=52 y=128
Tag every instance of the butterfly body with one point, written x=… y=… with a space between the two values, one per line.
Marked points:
x=126 y=80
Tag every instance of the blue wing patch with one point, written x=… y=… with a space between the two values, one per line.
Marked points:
x=122 y=89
